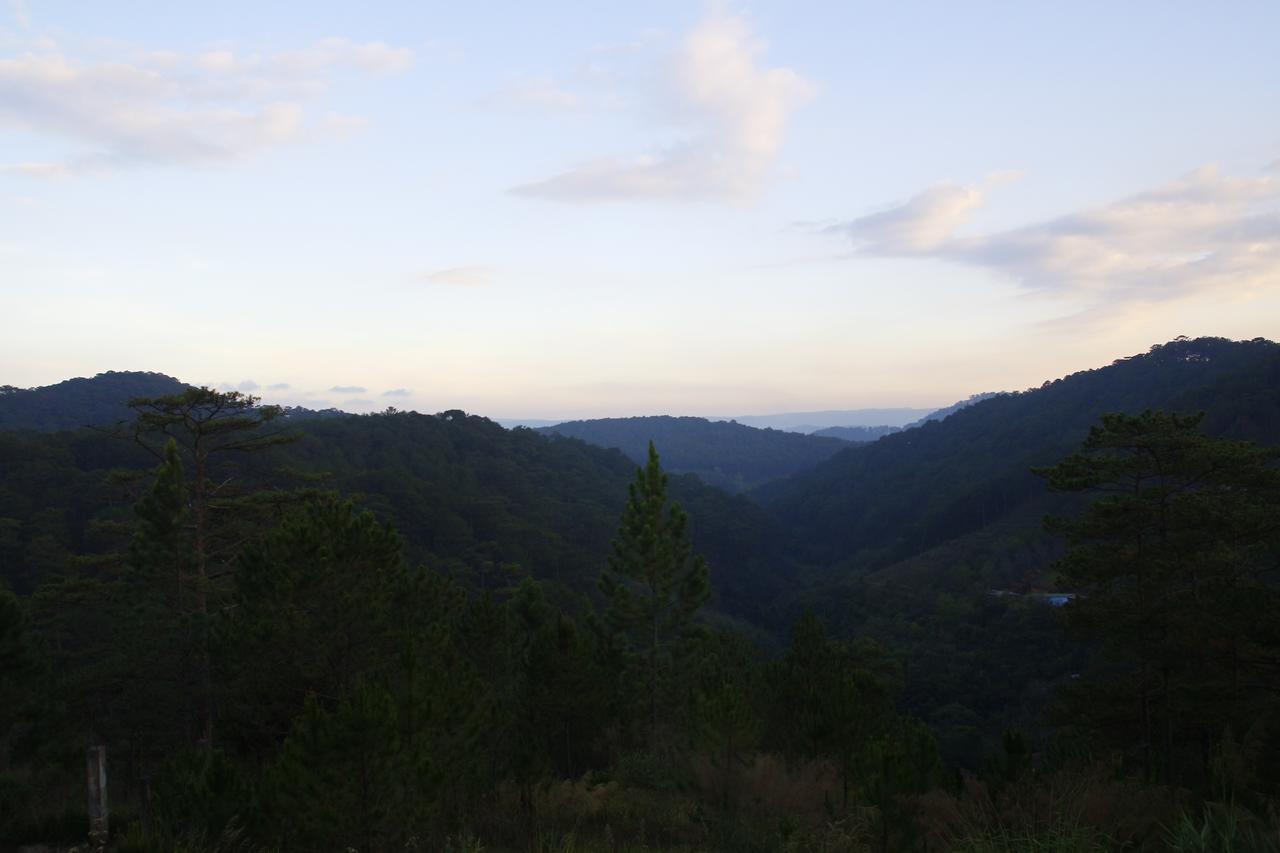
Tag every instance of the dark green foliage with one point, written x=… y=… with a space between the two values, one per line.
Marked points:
x=100 y=401
x=857 y=434
x=722 y=453
x=156 y=625
x=202 y=427
x=19 y=679
x=943 y=414
x=1177 y=556
x=908 y=536
x=874 y=504
x=57 y=512
x=198 y=793
x=474 y=499
x=314 y=609
x=654 y=587
x=899 y=762
x=462 y=681
x=832 y=700
x=341 y=776
x=1010 y=762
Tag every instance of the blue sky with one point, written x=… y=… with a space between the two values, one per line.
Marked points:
x=566 y=210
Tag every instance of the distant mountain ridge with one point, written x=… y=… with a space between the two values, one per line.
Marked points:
x=732 y=456
x=469 y=497
x=897 y=540
x=942 y=414
x=738 y=456
x=873 y=504
x=857 y=434
x=85 y=401
x=100 y=401
x=809 y=422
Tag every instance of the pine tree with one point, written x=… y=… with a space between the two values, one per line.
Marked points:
x=654 y=585
x=341 y=780
x=157 y=628
x=18 y=674
x=315 y=608
x=1173 y=557
x=203 y=426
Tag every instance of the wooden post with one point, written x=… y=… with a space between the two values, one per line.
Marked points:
x=97 y=777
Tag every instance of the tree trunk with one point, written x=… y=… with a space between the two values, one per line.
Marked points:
x=204 y=674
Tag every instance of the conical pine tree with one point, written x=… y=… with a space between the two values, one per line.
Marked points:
x=654 y=585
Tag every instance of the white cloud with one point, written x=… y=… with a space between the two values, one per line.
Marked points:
x=397 y=392
x=539 y=93
x=374 y=56
x=164 y=108
x=736 y=113
x=460 y=275
x=39 y=169
x=349 y=389
x=20 y=14
x=923 y=223
x=1205 y=231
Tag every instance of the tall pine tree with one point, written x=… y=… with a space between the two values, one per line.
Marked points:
x=1176 y=559
x=654 y=585
x=204 y=426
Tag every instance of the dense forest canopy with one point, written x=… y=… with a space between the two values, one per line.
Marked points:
x=381 y=631
x=74 y=403
x=730 y=455
x=857 y=434
x=885 y=501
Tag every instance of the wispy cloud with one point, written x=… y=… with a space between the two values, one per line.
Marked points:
x=467 y=275
x=736 y=113
x=349 y=389
x=245 y=386
x=20 y=13
x=1204 y=231
x=541 y=93
x=397 y=392
x=278 y=386
x=166 y=108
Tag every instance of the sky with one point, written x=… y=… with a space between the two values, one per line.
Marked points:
x=555 y=210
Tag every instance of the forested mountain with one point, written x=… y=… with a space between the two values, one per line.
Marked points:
x=906 y=536
x=722 y=453
x=406 y=627
x=468 y=496
x=464 y=491
x=98 y=401
x=808 y=422
x=942 y=414
x=874 y=504
x=861 y=434
x=857 y=434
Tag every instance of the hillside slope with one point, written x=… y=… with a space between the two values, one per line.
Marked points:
x=468 y=496
x=877 y=503
x=857 y=434
x=721 y=453
x=96 y=401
